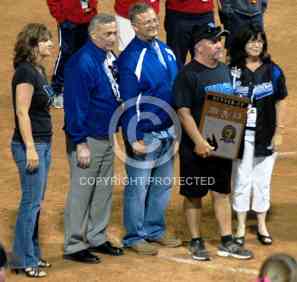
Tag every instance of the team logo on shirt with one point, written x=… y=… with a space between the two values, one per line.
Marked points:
x=224 y=88
x=48 y=90
x=228 y=134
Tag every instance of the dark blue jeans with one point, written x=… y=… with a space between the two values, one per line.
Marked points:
x=26 y=251
x=71 y=38
x=179 y=28
x=237 y=21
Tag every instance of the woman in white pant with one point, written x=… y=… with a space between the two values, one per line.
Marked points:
x=263 y=82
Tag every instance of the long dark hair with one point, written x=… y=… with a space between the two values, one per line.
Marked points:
x=26 y=42
x=238 y=54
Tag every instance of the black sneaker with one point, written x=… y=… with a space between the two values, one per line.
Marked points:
x=231 y=249
x=198 y=250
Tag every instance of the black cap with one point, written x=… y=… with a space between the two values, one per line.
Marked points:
x=208 y=31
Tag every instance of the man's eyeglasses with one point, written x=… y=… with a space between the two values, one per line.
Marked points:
x=149 y=22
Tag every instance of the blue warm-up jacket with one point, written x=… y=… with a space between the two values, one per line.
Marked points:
x=88 y=98
x=142 y=75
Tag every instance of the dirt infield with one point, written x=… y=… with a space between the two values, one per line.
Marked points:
x=169 y=265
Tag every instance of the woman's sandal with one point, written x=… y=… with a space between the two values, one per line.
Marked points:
x=44 y=264
x=264 y=240
x=33 y=272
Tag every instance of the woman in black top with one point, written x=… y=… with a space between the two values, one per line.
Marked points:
x=263 y=82
x=31 y=142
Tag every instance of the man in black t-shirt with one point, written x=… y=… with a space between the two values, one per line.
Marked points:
x=200 y=171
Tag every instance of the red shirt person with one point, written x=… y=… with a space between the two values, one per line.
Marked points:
x=180 y=17
x=73 y=18
x=125 y=30
x=74 y=11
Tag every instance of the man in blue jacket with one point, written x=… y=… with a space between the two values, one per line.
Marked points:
x=147 y=69
x=91 y=96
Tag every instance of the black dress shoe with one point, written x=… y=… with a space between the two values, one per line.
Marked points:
x=108 y=249
x=83 y=256
x=264 y=240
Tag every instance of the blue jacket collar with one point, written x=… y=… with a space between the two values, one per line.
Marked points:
x=144 y=44
x=99 y=53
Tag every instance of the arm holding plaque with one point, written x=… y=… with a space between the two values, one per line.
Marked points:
x=202 y=147
x=223 y=122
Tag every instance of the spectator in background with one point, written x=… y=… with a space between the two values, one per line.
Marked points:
x=73 y=18
x=278 y=268
x=125 y=31
x=236 y=13
x=180 y=17
x=3 y=262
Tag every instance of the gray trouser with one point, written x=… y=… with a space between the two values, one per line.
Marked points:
x=89 y=200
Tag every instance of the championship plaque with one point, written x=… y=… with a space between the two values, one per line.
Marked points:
x=222 y=123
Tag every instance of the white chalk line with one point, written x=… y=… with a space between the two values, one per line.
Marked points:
x=205 y=265
x=211 y=265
